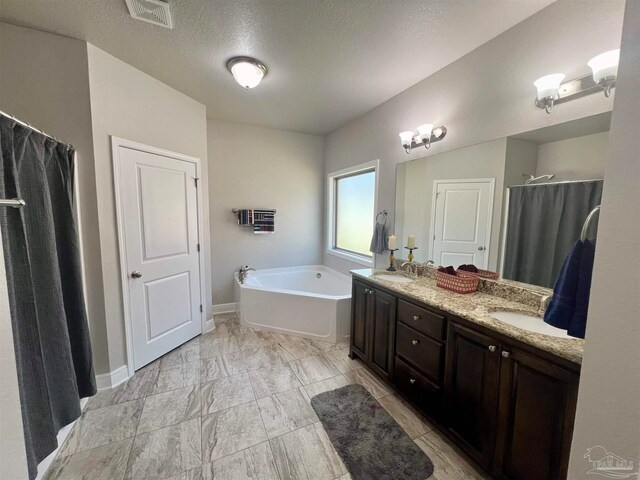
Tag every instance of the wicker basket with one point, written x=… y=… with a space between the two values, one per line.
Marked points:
x=481 y=273
x=458 y=284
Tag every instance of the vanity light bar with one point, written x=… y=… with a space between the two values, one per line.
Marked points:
x=426 y=136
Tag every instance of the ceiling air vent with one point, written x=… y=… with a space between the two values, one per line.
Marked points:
x=152 y=11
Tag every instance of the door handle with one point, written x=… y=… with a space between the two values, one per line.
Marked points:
x=136 y=274
x=481 y=248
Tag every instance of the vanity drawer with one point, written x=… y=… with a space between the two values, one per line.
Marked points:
x=418 y=388
x=424 y=353
x=421 y=319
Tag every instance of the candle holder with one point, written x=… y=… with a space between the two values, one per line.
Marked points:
x=411 y=249
x=392 y=260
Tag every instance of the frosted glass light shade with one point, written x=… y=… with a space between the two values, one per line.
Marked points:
x=605 y=65
x=406 y=137
x=247 y=71
x=437 y=132
x=424 y=131
x=549 y=85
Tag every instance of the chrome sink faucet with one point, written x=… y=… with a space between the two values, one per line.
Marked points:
x=242 y=273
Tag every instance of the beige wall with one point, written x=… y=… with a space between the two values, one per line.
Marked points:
x=580 y=158
x=252 y=167
x=485 y=95
x=44 y=81
x=130 y=104
x=609 y=397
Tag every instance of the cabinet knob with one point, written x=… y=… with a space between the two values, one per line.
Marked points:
x=416 y=317
x=506 y=354
x=370 y=292
x=492 y=348
x=415 y=342
x=412 y=380
x=366 y=290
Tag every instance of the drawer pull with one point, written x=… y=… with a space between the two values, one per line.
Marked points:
x=416 y=317
x=366 y=290
x=415 y=342
x=492 y=348
x=412 y=380
x=370 y=292
x=506 y=354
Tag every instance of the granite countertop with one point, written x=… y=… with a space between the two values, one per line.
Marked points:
x=477 y=308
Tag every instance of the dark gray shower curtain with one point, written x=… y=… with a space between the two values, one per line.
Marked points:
x=543 y=223
x=40 y=241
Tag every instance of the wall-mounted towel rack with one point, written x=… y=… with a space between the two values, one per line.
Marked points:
x=12 y=202
x=236 y=210
x=585 y=225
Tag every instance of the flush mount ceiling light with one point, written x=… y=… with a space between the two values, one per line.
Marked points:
x=427 y=134
x=551 y=90
x=247 y=71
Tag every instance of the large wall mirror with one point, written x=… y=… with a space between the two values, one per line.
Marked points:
x=514 y=205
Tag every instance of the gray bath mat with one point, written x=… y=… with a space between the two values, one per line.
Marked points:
x=370 y=442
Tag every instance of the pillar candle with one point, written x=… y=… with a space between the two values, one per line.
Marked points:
x=411 y=241
x=392 y=242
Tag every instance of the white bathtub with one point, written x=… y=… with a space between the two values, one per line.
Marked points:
x=311 y=301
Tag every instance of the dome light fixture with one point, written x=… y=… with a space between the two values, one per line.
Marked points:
x=247 y=71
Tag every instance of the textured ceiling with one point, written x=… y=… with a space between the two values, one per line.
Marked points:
x=329 y=60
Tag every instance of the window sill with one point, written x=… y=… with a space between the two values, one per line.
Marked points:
x=352 y=257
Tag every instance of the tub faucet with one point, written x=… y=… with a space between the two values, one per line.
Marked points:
x=242 y=273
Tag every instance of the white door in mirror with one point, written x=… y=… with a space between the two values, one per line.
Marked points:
x=462 y=222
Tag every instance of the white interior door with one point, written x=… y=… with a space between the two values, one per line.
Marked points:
x=159 y=222
x=462 y=222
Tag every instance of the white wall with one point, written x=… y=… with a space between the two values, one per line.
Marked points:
x=253 y=167
x=44 y=81
x=130 y=104
x=485 y=95
x=580 y=158
x=609 y=398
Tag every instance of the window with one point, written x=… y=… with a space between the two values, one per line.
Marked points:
x=352 y=202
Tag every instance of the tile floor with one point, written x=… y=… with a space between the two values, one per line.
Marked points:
x=233 y=404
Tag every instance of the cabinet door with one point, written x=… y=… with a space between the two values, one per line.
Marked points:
x=359 y=338
x=536 y=409
x=471 y=391
x=382 y=326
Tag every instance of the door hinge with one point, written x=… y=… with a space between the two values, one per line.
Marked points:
x=195 y=179
x=198 y=247
x=200 y=308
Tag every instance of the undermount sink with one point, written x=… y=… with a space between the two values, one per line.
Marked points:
x=530 y=323
x=394 y=278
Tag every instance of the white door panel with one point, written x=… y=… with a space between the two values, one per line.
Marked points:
x=462 y=216
x=159 y=209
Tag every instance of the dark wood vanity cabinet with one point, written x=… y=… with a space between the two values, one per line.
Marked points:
x=373 y=328
x=509 y=405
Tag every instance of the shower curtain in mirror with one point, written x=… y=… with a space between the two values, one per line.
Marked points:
x=41 y=250
x=543 y=222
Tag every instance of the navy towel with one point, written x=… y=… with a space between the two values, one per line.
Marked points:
x=568 y=307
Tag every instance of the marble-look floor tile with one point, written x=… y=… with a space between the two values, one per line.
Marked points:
x=173 y=378
x=189 y=352
x=223 y=366
x=341 y=360
x=322 y=386
x=404 y=414
x=226 y=392
x=166 y=452
x=286 y=411
x=327 y=346
x=213 y=347
x=253 y=463
x=221 y=329
x=313 y=369
x=231 y=430
x=297 y=347
x=306 y=453
x=105 y=425
x=107 y=462
x=255 y=339
x=363 y=377
x=267 y=381
x=170 y=408
x=265 y=357
x=193 y=474
x=448 y=462
x=136 y=387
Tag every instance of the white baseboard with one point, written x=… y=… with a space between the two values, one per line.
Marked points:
x=223 y=308
x=209 y=326
x=112 y=379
